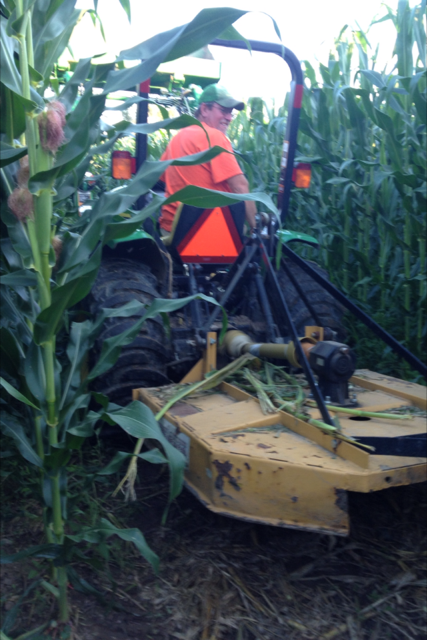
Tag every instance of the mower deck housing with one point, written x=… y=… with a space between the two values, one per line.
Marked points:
x=279 y=470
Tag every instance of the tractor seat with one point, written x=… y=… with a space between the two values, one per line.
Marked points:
x=207 y=236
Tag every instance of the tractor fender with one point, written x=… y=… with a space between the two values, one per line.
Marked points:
x=144 y=249
x=285 y=236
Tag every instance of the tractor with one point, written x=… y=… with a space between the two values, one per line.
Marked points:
x=273 y=468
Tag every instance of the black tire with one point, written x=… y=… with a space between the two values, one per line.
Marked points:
x=143 y=362
x=329 y=310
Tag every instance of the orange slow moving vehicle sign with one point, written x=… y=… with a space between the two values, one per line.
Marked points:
x=213 y=238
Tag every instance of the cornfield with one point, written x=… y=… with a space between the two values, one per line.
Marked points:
x=365 y=134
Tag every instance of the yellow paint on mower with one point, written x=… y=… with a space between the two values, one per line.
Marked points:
x=279 y=470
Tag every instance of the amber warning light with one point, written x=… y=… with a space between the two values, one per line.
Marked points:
x=301 y=175
x=122 y=165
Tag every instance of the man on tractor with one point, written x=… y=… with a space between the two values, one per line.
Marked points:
x=223 y=173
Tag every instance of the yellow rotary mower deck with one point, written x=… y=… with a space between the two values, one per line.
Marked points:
x=280 y=470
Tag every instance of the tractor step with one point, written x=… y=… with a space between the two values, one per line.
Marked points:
x=279 y=470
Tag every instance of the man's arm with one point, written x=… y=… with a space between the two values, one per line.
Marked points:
x=239 y=184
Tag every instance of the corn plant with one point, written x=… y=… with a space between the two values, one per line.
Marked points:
x=367 y=136
x=46 y=147
x=257 y=134
x=364 y=131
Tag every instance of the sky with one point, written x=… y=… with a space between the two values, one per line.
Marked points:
x=307 y=27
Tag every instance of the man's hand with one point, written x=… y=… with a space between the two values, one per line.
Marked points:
x=239 y=184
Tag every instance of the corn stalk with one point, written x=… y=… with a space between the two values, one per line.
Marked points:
x=44 y=277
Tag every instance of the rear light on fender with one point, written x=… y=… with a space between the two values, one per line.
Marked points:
x=301 y=175
x=121 y=165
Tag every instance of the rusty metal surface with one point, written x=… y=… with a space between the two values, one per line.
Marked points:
x=280 y=470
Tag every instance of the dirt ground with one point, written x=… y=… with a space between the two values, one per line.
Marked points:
x=223 y=579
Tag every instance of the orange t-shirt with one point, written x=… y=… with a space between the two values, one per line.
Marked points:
x=210 y=175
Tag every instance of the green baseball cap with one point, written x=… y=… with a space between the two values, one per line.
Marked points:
x=216 y=93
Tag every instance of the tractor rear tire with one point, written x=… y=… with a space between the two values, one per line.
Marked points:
x=141 y=363
x=329 y=310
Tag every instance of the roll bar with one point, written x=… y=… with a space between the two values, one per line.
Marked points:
x=292 y=122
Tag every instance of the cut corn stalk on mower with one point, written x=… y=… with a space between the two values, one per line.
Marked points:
x=294 y=463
